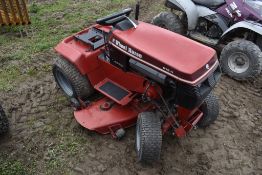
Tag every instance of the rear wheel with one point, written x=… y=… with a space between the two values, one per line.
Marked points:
x=3 y=121
x=210 y=109
x=241 y=60
x=148 y=137
x=70 y=80
x=169 y=21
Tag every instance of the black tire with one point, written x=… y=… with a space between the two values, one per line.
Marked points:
x=169 y=21
x=241 y=60
x=210 y=109
x=70 y=80
x=148 y=137
x=4 y=125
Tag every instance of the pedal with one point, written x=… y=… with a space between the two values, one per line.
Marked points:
x=114 y=91
x=202 y=38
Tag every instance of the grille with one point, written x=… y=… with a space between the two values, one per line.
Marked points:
x=192 y=96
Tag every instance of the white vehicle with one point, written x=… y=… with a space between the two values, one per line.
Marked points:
x=233 y=27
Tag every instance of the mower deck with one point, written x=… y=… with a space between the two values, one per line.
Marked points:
x=105 y=116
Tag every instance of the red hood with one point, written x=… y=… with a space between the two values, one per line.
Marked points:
x=168 y=51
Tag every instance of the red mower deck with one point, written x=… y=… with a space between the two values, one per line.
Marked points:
x=97 y=117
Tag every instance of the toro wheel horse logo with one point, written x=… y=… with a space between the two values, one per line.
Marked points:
x=126 y=48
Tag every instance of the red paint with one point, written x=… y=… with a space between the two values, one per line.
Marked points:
x=187 y=120
x=95 y=119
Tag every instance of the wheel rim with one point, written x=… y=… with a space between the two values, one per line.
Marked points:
x=138 y=138
x=238 y=62
x=64 y=82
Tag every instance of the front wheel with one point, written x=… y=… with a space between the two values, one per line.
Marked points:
x=148 y=137
x=210 y=109
x=3 y=121
x=241 y=60
x=169 y=21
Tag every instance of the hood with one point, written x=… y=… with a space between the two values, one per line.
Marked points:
x=173 y=54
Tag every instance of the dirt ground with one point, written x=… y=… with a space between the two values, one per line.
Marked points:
x=46 y=139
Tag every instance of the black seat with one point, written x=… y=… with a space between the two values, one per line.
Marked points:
x=210 y=3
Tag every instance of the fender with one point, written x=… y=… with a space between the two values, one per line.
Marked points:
x=204 y=11
x=77 y=58
x=212 y=16
x=189 y=8
x=250 y=25
x=192 y=11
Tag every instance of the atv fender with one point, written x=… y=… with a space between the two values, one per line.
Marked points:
x=250 y=25
x=189 y=8
x=192 y=11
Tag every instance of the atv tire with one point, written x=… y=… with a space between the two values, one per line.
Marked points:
x=241 y=60
x=148 y=137
x=4 y=125
x=70 y=80
x=169 y=21
x=210 y=109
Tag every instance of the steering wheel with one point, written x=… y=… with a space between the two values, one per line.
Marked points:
x=114 y=18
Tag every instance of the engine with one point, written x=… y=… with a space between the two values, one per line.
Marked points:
x=178 y=92
x=184 y=95
x=209 y=29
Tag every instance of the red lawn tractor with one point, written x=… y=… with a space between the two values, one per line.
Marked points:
x=146 y=76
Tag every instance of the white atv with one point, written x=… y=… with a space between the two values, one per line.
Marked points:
x=233 y=27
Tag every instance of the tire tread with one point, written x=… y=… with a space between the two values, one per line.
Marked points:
x=246 y=46
x=80 y=82
x=151 y=137
x=171 y=21
x=210 y=109
x=4 y=125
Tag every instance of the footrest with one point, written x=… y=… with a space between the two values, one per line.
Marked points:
x=114 y=91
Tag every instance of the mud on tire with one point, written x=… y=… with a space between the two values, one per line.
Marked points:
x=70 y=80
x=169 y=21
x=210 y=109
x=242 y=50
x=148 y=137
x=3 y=122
